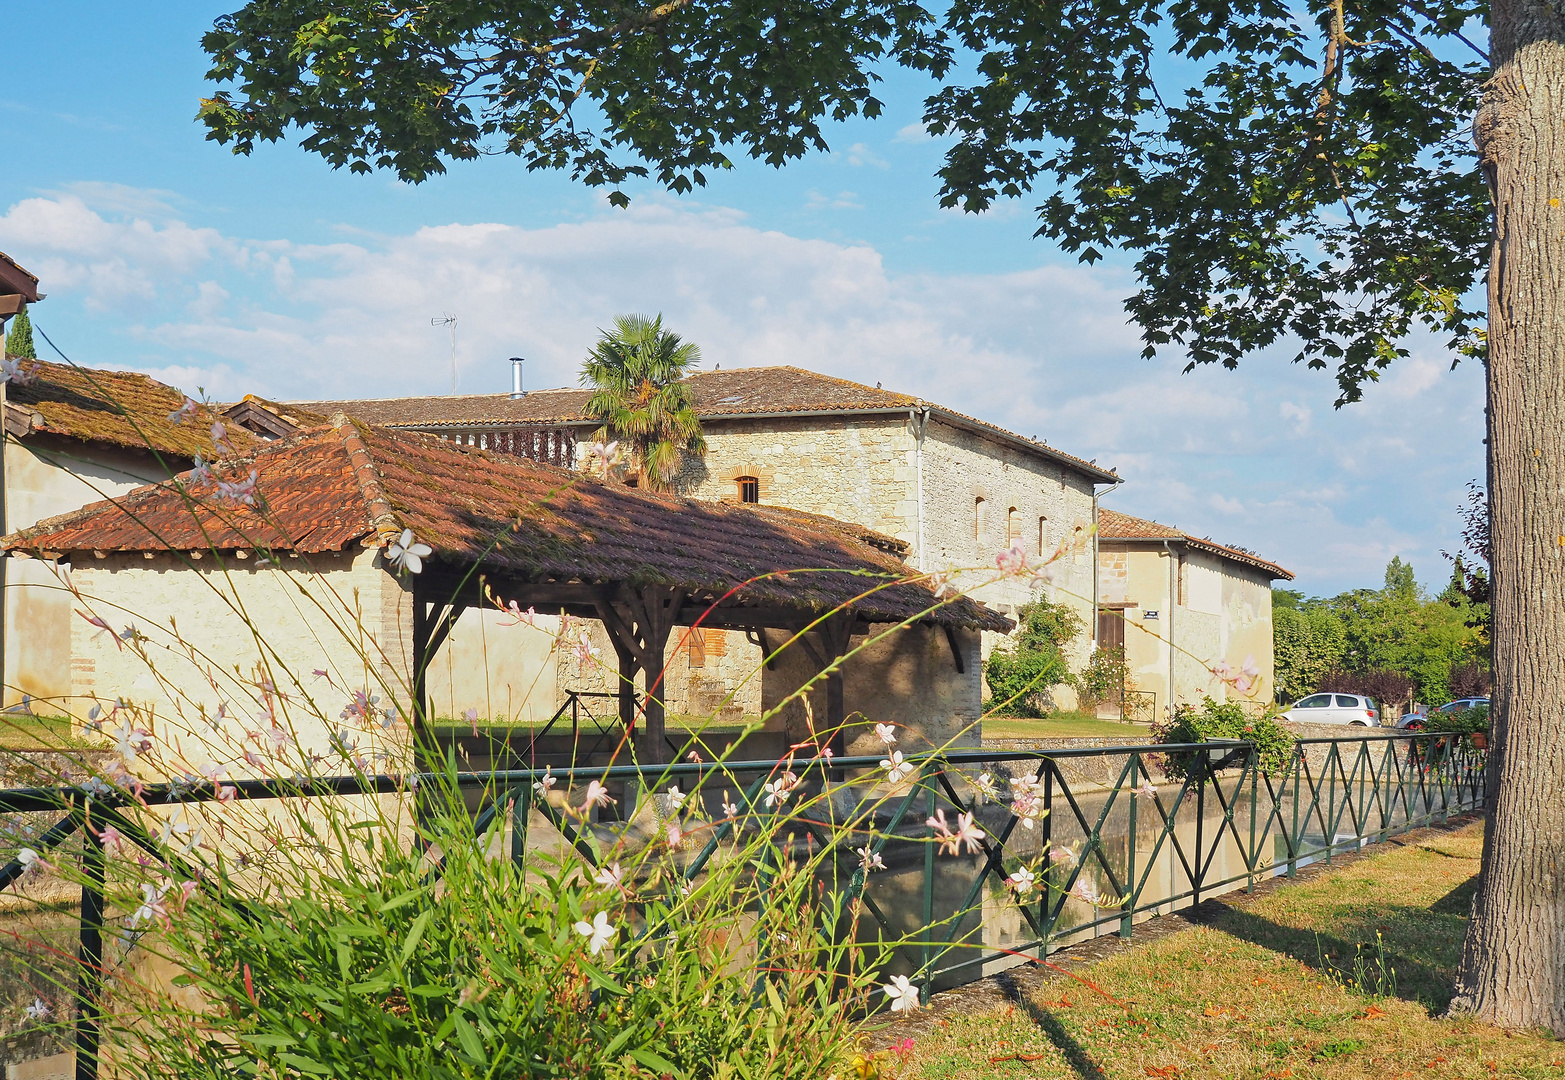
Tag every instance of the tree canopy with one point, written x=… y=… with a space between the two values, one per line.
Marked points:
x=1278 y=172
x=1393 y=629
x=19 y=338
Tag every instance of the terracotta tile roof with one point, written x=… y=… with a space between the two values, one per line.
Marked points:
x=1112 y=525
x=736 y=393
x=333 y=486
x=122 y=408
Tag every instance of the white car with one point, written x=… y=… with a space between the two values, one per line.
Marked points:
x=1352 y=709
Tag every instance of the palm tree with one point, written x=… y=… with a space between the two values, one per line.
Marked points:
x=636 y=371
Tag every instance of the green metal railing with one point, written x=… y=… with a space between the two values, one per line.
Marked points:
x=1225 y=822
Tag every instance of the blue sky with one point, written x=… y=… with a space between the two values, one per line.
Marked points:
x=273 y=274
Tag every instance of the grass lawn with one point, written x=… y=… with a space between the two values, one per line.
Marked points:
x=18 y=731
x=1297 y=983
x=1077 y=725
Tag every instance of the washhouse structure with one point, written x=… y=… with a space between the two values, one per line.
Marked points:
x=289 y=570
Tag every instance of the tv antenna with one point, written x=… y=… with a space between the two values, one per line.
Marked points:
x=448 y=320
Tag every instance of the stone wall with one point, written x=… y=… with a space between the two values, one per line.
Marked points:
x=338 y=613
x=46 y=476
x=904 y=677
x=860 y=469
x=1220 y=610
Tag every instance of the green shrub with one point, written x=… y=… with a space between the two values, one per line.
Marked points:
x=1105 y=678
x=1460 y=721
x=1019 y=679
x=1021 y=672
x=1228 y=720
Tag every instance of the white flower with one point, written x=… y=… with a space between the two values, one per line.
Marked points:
x=239 y=491
x=609 y=876
x=777 y=791
x=407 y=553
x=37 y=1010
x=1085 y=891
x=598 y=933
x=886 y=733
x=183 y=413
x=869 y=859
x=597 y=795
x=151 y=906
x=676 y=838
x=895 y=767
x=131 y=741
x=1022 y=880
x=902 y=992
x=1013 y=560
x=676 y=799
x=12 y=371
x=548 y=780
x=1147 y=789
x=986 y=786
x=729 y=809
x=30 y=858
x=1026 y=785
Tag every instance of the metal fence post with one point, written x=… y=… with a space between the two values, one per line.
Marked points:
x=1255 y=794
x=1200 y=819
x=1048 y=864
x=1127 y=920
x=1293 y=829
x=929 y=885
x=521 y=809
x=89 y=973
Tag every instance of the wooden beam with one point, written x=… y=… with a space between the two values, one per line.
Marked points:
x=956 y=651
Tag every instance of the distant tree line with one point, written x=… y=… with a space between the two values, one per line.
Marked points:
x=1386 y=642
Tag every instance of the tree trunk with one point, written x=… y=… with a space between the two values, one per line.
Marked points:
x=1513 y=962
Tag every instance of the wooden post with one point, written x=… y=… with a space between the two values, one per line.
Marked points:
x=836 y=634
x=639 y=621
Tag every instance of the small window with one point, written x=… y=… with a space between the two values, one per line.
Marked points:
x=1013 y=524
x=1043 y=536
x=980 y=514
x=749 y=489
x=1345 y=702
x=1316 y=701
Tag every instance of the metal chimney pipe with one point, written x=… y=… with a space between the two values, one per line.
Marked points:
x=516 y=378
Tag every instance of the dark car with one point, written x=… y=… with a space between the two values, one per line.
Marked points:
x=1415 y=721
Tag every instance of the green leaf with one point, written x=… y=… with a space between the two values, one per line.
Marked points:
x=272 y=1041
x=653 y=1060
x=304 y=1064
x=469 y=1039
x=405 y=899
x=416 y=933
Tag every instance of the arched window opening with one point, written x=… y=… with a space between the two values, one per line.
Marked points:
x=1013 y=524
x=749 y=489
x=1043 y=536
x=980 y=526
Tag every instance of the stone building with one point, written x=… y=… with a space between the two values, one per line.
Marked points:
x=74 y=436
x=954 y=489
x=1182 y=605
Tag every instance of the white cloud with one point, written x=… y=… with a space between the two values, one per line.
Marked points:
x=859 y=154
x=843 y=200
x=912 y=133
x=1249 y=456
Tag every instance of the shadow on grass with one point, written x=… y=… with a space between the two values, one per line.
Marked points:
x=1075 y=1054
x=1438 y=928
